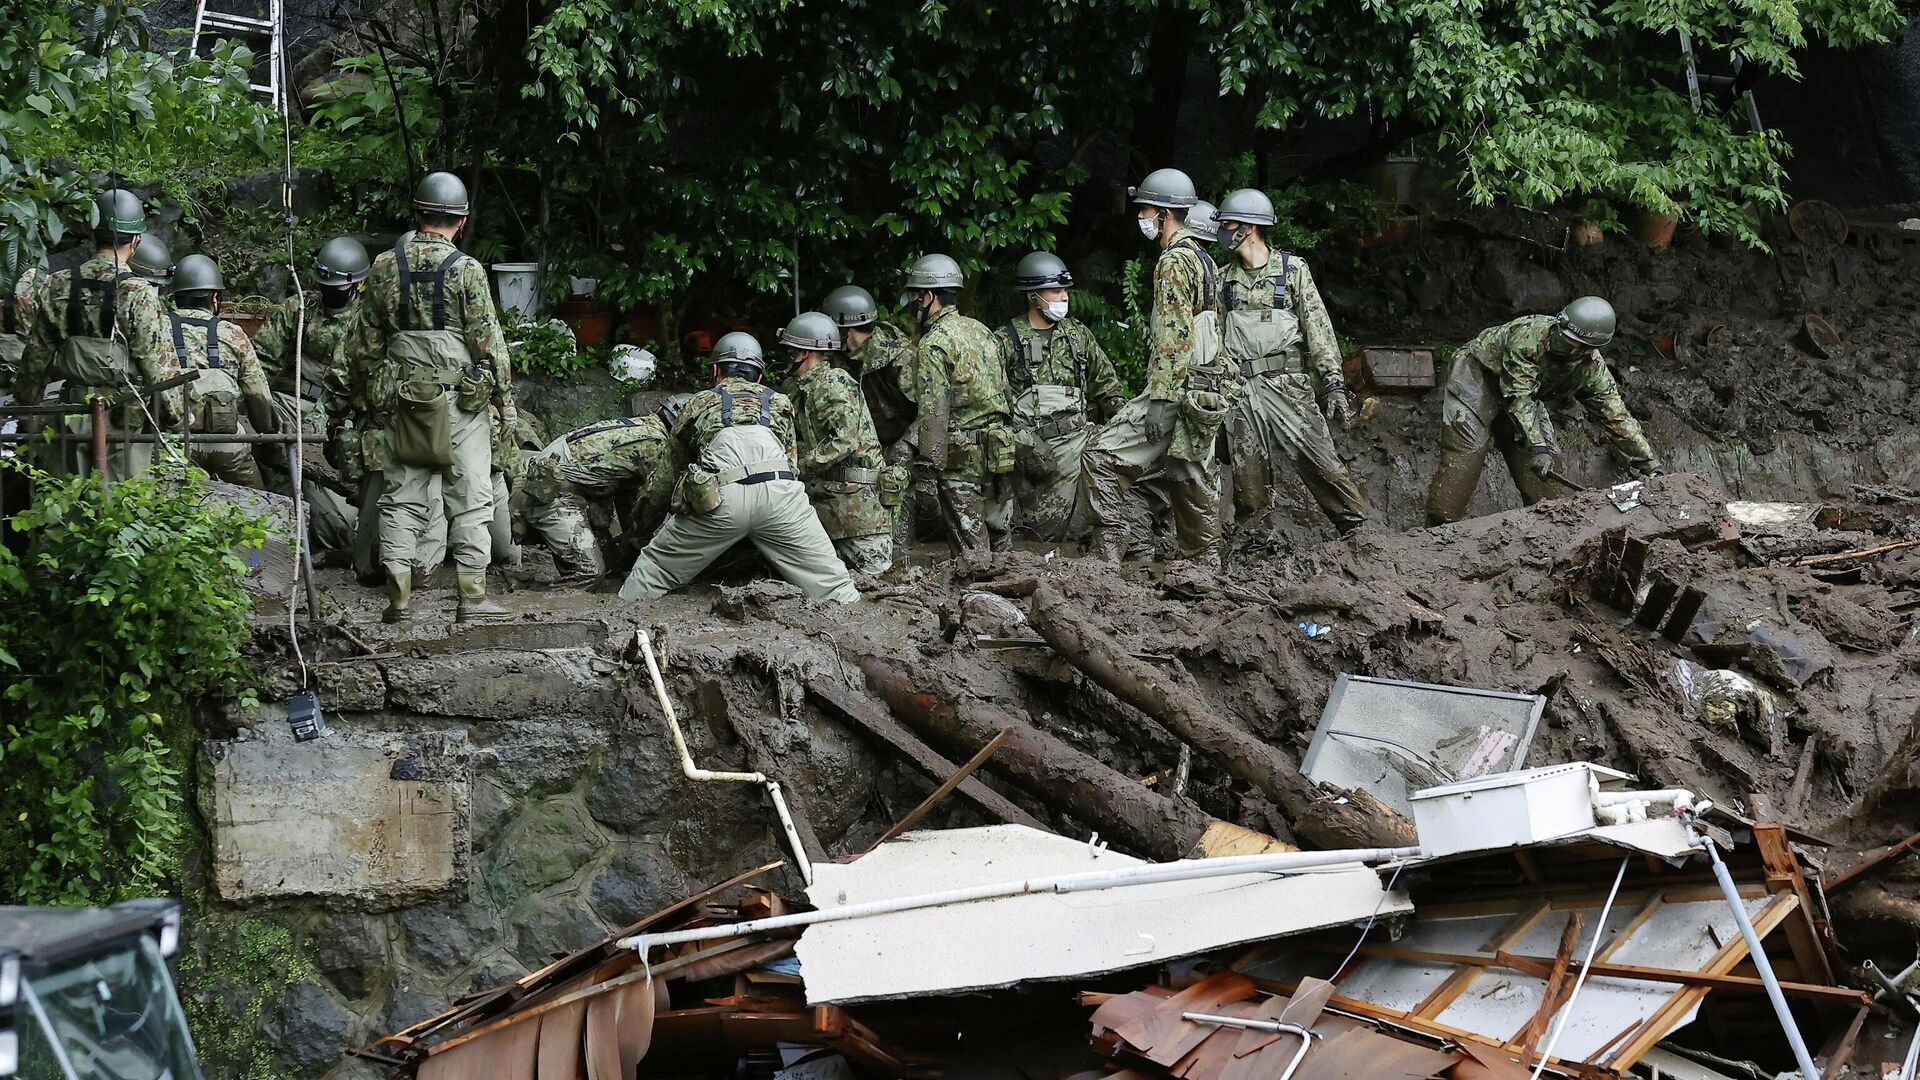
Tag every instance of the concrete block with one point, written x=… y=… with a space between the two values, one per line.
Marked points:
x=377 y=819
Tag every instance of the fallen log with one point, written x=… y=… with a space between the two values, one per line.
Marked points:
x=1054 y=772
x=1324 y=822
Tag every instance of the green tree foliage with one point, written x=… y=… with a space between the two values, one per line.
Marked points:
x=119 y=606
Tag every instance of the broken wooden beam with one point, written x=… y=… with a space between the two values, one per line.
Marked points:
x=863 y=714
x=959 y=777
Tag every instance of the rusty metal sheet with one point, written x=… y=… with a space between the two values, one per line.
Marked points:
x=560 y=1032
x=1360 y=1054
x=507 y=1054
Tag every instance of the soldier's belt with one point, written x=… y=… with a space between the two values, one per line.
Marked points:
x=757 y=473
x=852 y=475
x=1270 y=365
x=1054 y=427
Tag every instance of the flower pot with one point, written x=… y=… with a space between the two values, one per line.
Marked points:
x=1586 y=234
x=592 y=325
x=1654 y=231
x=643 y=326
x=1394 y=177
x=518 y=284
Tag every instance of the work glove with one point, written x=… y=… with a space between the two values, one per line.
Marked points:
x=1544 y=462
x=1337 y=404
x=1159 y=420
x=1643 y=470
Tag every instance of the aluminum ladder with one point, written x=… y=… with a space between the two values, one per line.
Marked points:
x=209 y=21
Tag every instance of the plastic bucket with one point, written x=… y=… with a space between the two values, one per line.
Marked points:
x=518 y=285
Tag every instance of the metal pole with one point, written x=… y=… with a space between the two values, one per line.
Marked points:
x=100 y=438
x=1759 y=957
x=1306 y=1037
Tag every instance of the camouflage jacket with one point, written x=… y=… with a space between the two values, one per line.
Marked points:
x=320 y=354
x=699 y=421
x=138 y=318
x=1287 y=279
x=597 y=459
x=469 y=312
x=1069 y=356
x=1185 y=283
x=1530 y=372
x=19 y=307
x=958 y=366
x=835 y=434
x=884 y=363
x=236 y=352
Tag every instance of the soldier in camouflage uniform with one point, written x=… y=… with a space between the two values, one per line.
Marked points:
x=1064 y=387
x=600 y=462
x=840 y=458
x=152 y=261
x=433 y=365
x=1498 y=388
x=19 y=306
x=332 y=517
x=101 y=328
x=729 y=476
x=1280 y=339
x=1166 y=435
x=881 y=355
x=231 y=381
x=964 y=434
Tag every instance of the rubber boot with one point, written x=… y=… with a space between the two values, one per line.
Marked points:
x=474 y=605
x=399 y=597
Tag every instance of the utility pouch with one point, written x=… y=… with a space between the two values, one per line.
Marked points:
x=421 y=433
x=1202 y=412
x=218 y=414
x=697 y=492
x=475 y=391
x=998 y=442
x=93 y=361
x=892 y=486
x=1034 y=455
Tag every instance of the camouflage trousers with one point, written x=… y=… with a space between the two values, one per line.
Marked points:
x=866 y=556
x=1276 y=421
x=562 y=525
x=500 y=527
x=1054 y=506
x=977 y=510
x=776 y=516
x=904 y=521
x=1473 y=417
x=1119 y=462
x=466 y=489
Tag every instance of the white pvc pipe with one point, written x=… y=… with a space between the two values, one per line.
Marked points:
x=1184 y=870
x=695 y=772
x=1758 y=955
x=1566 y=1011
x=1306 y=1037
x=1679 y=798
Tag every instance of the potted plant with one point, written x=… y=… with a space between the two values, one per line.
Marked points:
x=1655 y=230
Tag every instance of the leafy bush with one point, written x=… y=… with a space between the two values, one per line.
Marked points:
x=541 y=348
x=119 y=606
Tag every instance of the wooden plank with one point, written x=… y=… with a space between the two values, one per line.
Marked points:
x=1783 y=874
x=876 y=722
x=1457 y=983
x=1835 y=1054
x=1657 y=1026
x=1852 y=874
x=1551 y=998
x=959 y=777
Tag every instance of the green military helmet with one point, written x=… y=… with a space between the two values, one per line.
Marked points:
x=1165 y=187
x=934 y=272
x=1042 y=270
x=1203 y=221
x=442 y=193
x=814 y=331
x=1249 y=205
x=341 y=261
x=197 y=274
x=739 y=347
x=1589 y=321
x=120 y=211
x=152 y=260
x=669 y=410
x=851 y=306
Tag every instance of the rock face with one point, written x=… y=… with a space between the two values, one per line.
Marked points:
x=480 y=803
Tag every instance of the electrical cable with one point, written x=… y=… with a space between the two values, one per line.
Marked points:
x=296 y=451
x=1566 y=1009
x=1367 y=929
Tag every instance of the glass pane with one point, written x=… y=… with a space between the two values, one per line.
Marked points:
x=117 y=1017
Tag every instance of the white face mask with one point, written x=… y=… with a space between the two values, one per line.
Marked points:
x=1150 y=227
x=1054 y=311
